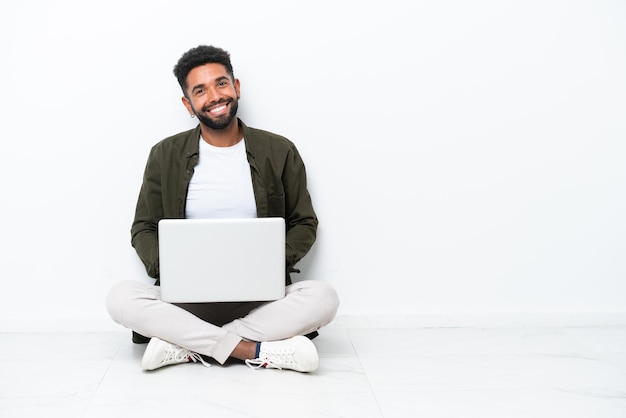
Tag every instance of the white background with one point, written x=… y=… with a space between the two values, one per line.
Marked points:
x=464 y=157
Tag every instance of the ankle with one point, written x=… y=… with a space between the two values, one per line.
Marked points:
x=245 y=350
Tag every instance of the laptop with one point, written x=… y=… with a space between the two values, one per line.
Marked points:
x=222 y=260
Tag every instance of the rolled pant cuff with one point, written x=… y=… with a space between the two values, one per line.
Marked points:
x=224 y=348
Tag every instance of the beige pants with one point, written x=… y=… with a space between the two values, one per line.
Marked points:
x=307 y=306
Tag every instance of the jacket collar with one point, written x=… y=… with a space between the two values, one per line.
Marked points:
x=192 y=145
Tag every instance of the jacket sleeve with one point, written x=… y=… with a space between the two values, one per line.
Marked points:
x=301 y=220
x=149 y=210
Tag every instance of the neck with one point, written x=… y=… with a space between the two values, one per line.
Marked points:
x=226 y=137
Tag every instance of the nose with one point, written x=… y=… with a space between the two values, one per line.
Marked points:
x=212 y=94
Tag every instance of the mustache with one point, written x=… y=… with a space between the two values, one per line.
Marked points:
x=221 y=101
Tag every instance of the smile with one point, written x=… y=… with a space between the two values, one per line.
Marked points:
x=218 y=109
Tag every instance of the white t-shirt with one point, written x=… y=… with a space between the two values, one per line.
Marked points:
x=221 y=185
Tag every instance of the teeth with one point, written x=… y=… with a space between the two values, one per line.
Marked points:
x=218 y=109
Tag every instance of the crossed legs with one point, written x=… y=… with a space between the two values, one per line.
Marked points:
x=307 y=306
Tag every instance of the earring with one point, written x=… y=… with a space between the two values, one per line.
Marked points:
x=192 y=116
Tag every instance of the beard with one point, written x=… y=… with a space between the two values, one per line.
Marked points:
x=220 y=122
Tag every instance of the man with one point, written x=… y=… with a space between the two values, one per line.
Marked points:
x=222 y=168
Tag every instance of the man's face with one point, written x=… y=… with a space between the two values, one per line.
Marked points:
x=212 y=95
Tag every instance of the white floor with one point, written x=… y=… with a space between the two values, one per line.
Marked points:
x=414 y=372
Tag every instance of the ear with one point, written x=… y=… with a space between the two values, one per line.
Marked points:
x=238 y=88
x=188 y=106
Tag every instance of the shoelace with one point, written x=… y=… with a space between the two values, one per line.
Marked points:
x=257 y=363
x=180 y=354
x=198 y=358
x=271 y=361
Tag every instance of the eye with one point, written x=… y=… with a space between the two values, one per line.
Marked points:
x=198 y=92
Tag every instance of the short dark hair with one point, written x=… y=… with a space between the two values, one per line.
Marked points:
x=200 y=55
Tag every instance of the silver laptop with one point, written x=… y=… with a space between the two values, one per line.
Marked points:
x=222 y=260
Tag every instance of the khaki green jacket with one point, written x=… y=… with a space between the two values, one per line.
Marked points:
x=278 y=179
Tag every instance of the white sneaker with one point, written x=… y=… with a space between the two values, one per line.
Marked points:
x=160 y=353
x=296 y=353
